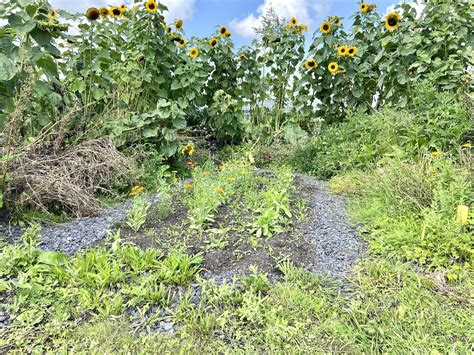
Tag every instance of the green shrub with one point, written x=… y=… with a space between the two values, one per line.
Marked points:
x=436 y=122
x=410 y=210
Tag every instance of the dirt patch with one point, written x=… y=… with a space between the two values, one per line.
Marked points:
x=228 y=247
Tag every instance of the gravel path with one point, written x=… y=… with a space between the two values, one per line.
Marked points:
x=79 y=234
x=338 y=247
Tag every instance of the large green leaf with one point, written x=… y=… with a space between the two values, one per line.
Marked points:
x=8 y=68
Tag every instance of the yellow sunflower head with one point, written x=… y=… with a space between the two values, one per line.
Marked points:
x=352 y=51
x=52 y=15
x=213 y=42
x=243 y=57
x=342 y=51
x=336 y=21
x=178 y=23
x=392 y=21
x=151 y=6
x=325 y=27
x=92 y=13
x=228 y=34
x=104 y=11
x=223 y=31
x=115 y=12
x=364 y=7
x=293 y=22
x=310 y=64
x=188 y=150
x=333 y=67
x=123 y=8
x=194 y=52
x=182 y=42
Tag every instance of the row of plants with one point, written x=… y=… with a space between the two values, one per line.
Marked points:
x=131 y=75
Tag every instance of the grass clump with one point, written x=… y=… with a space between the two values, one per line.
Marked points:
x=410 y=209
x=437 y=122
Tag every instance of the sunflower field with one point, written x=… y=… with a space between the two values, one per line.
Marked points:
x=308 y=192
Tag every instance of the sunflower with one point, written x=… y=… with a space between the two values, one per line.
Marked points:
x=151 y=6
x=178 y=23
x=371 y=8
x=336 y=21
x=53 y=15
x=123 y=8
x=213 y=42
x=310 y=64
x=92 y=13
x=243 y=57
x=301 y=29
x=293 y=22
x=391 y=21
x=104 y=12
x=364 y=7
x=188 y=150
x=333 y=67
x=343 y=51
x=325 y=27
x=182 y=42
x=193 y=53
x=223 y=31
x=352 y=51
x=228 y=34
x=219 y=190
x=115 y=12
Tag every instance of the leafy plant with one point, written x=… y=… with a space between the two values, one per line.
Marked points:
x=137 y=215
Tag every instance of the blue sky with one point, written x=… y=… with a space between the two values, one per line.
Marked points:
x=202 y=16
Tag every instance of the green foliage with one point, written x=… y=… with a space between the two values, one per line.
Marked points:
x=410 y=209
x=437 y=122
x=138 y=214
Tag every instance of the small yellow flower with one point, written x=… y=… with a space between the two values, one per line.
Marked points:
x=213 y=42
x=293 y=22
x=92 y=13
x=336 y=21
x=325 y=27
x=188 y=186
x=463 y=214
x=52 y=15
x=310 y=64
x=436 y=154
x=104 y=11
x=391 y=21
x=343 y=51
x=333 y=67
x=223 y=31
x=182 y=42
x=219 y=190
x=151 y=6
x=206 y=172
x=194 y=52
x=123 y=8
x=178 y=23
x=467 y=145
x=133 y=194
x=364 y=7
x=115 y=12
x=188 y=150
x=452 y=276
x=352 y=51
x=174 y=171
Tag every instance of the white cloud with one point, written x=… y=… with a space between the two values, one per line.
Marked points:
x=304 y=10
x=176 y=8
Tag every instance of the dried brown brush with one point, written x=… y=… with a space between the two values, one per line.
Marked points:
x=68 y=178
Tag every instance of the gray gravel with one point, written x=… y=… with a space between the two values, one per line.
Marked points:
x=79 y=234
x=338 y=247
